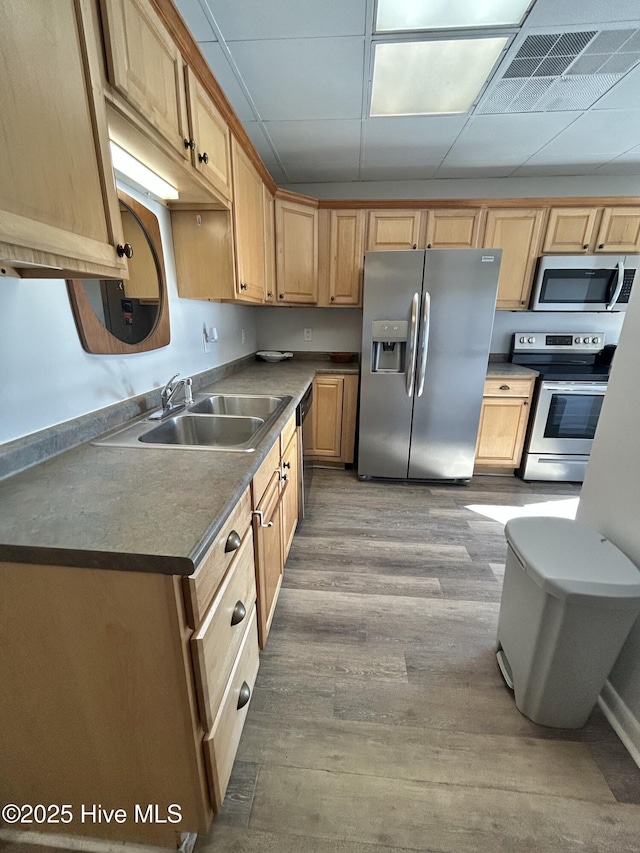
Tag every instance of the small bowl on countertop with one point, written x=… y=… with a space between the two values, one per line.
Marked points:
x=273 y=355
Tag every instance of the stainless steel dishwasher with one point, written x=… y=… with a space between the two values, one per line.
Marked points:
x=306 y=471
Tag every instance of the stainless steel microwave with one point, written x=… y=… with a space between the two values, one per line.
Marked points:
x=584 y=282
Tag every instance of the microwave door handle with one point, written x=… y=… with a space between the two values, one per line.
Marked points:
x=424 y=340
x=413 y=339
x=618 y=288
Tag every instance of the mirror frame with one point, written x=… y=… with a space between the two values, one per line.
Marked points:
x=94 y=337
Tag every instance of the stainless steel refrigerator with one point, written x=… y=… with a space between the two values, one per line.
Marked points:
x=426 y=334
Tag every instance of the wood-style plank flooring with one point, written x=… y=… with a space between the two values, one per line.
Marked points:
x=379 y=721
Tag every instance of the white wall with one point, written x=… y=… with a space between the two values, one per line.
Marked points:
x=610 y=499
x=333 y=329
x=47 y=377
x=593 y=185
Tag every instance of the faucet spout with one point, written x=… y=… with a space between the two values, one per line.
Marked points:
x=169 y=407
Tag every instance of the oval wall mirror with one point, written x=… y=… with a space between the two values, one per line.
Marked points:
x=119 y=317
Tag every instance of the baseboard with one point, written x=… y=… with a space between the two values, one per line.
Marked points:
x=625 y=725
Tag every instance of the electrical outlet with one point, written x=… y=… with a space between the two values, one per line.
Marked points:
x=308 y=334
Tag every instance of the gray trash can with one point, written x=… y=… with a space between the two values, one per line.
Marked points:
x=570 y=598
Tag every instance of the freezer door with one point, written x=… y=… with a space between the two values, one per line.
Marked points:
x=391 y=302
x=459 y=297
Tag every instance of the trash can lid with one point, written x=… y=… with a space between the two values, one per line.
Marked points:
x=574 y=562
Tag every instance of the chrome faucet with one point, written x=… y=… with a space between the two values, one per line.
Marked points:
x=168 y=393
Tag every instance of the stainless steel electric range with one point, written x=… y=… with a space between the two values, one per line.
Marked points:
x=574 y=369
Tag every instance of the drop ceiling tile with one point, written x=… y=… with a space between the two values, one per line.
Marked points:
x=505 y=140
x=622 y=94
x=196 y=19
x=305 y=79
x=300 y=143
x=256 y=134
x=409 y=140
x=225 y=76
x=322 y=174
x=399 y=172
x=473 y=171
x=596 y=135
x=551 y=13
x=243 y=20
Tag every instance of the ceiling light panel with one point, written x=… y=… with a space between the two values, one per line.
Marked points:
x=402 y=15
x=430 y=77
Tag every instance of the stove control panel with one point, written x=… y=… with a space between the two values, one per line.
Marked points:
x=558 y=341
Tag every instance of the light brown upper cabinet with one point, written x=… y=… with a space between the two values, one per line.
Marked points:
x=453 y=229
x=269 y=206
x=146 y=67
x=393 y=230
x=58 y=203
x=619 y=230
x=570 y=229
x=578 y=230
x=209 y=141
x=248 y=219
x=517 y=232
x=341 y=238
x=296 y=252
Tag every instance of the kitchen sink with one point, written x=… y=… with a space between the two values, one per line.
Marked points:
x=216 y=431
x=231 y=422
x=244 y=405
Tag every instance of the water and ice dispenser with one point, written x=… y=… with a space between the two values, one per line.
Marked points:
x=389 y=346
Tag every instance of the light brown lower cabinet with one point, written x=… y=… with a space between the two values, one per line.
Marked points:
x=124 y=688
x=331 y=439
x=503 y=422
x=274 y=492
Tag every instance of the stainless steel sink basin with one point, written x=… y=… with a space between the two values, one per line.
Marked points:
x=214 y=431
x=245 y=405
x=203 y=428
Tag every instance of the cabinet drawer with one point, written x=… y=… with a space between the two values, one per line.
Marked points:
x=287 y=433
x=265 y=472
x=507 y=387
x=215 y=645
x=221 y=744
x=202 y=584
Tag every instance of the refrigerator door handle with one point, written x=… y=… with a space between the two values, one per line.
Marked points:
x=425 y=321
x=413 y=340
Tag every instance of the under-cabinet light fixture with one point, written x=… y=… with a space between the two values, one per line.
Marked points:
x=432 y=77
x=136 y=171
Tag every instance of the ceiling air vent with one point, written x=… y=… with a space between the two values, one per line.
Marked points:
x=562 y=71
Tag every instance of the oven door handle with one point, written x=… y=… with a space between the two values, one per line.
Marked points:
x=618 y=288
x=591 y=388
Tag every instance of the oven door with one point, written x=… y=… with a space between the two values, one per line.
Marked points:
x=566 y=417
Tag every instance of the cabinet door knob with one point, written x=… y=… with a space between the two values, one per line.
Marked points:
x=428 y=246
x=504 y=387
x=190 y=143
x=281 y=296
x=601 y=246
x=233 y=542
x=286 y=464
x=239 y=612
x=333 y=299
x=415 y=245
x=244 y=696
x=203 y=158
x=244 y=285
x=586 y=246
x=125 y=251
x=269 y=293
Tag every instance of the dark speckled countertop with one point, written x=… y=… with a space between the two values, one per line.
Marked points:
x=152 y=510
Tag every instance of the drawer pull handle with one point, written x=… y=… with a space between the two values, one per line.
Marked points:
x=239 y=612
x=260 y=515
x=504 y=387
x=245 y=695
x=233 y=542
